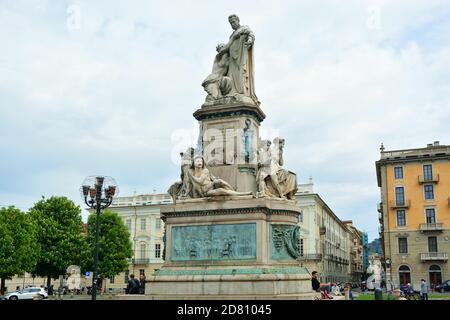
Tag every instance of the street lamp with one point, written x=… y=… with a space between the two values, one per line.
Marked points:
x=98 y=192
x=388 y=262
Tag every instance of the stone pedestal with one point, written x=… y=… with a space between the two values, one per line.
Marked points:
x=231 y=247
x=230 y=134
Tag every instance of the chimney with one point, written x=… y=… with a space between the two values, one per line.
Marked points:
x=436 y=143
x=429 y=145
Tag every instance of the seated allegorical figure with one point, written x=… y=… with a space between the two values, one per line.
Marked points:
x=204 y=184
x=272 y=179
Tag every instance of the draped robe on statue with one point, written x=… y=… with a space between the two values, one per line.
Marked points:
x=240 y=68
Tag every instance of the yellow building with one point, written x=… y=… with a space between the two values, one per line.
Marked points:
x=414 y=214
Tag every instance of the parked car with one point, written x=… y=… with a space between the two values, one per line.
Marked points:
x=445 y=286
x=27 y=294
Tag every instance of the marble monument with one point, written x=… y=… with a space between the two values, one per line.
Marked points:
x=232 y=231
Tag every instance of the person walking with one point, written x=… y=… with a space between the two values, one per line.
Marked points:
x=424 y=289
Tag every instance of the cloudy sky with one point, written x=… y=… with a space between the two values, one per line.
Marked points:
x=107 y=87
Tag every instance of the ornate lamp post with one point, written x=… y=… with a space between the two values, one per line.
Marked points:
x=98 y=192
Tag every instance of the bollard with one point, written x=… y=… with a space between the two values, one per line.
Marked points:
x=378 y=294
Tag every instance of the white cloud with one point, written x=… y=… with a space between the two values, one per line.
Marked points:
x=107 y=98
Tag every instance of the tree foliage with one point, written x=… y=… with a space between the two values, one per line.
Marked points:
x=19 y=249
x=60 y=236
x=114 y=244
x=374 y=247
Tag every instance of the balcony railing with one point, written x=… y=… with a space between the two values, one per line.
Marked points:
x=310 y=256
x=434 y=256
x=428 y=179
x=140 y=261
x=431 y=227
x=399 y=204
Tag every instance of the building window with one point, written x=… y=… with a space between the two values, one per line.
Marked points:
x=300 y=246
x=402 y=245
x=398 y=172
x=142 y=271
x=128 y=224
x=427 y=172
x=429 y=191
x=404 y=274
x=401 y=218
x=300 y=217
x=127 y=272
x=142 y=252
x=143 y=224
x=157 y=250
x=111 y=280
x=435 y=276
x=399 y=196
x=432 y=244
x=430 y=215
x=158 y=223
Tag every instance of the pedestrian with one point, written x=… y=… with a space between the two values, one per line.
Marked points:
x=315 y=282
x=350 y=292
x=424 y=289
x=335 y=290
x=398 y=294
x=142 y=284
x=410 y=289
x=133 y=285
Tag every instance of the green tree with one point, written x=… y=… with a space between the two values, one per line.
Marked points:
x=18 y=246
x=60 y=236
x=114 y=244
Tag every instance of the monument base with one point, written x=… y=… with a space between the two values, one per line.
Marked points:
x=280 y=283
x=231 y=248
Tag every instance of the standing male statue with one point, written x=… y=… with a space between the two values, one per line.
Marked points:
x=239 y=54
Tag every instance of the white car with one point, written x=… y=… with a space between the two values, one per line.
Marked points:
x=27 y=294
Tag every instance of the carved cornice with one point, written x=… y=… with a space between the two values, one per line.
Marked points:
x=232 y=110
x=215 y=212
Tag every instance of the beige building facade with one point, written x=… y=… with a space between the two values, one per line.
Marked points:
x=141 y=215
x=325 y=238
x=356 y=252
